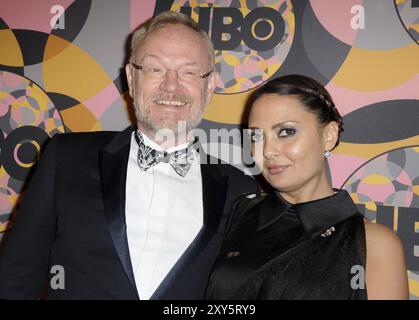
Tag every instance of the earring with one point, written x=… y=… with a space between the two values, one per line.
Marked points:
x=328 y=154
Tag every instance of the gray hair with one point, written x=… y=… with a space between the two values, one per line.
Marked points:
x=169 y=18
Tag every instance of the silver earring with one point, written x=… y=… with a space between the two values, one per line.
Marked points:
x=328 y=154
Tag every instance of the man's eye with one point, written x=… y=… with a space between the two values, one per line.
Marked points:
x=188 y=73
x=153 y=69
x=286 y=132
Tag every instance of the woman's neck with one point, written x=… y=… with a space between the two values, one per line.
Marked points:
x=311 y=191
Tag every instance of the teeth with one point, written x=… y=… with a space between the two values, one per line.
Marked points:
x=171 y=102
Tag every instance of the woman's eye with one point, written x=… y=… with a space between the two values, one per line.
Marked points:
x=286 y=132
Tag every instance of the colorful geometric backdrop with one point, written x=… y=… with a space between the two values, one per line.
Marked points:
x=61 y=70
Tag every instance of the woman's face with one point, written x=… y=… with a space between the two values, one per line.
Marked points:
x=293 y=143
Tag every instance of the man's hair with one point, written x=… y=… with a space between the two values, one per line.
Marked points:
x=169 y=18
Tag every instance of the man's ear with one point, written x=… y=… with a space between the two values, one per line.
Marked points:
x=212 y=84
x=128 y=71
x=330 y=135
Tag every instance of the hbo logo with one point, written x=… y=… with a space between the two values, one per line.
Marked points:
x=262 y=29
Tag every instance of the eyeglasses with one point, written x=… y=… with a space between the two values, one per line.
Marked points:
x=158 y=73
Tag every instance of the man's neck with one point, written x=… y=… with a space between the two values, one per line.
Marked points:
x=167 y=139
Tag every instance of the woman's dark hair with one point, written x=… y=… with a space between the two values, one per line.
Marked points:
x=310 y=93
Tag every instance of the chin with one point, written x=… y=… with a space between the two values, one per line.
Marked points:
x=278 y=184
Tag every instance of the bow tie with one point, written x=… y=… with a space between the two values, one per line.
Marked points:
x=180 y=160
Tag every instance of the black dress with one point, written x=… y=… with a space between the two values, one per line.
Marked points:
x=276 y=250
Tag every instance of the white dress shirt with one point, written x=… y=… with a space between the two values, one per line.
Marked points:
x=164 y=213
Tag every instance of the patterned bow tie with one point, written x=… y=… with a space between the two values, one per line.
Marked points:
x=180 y=160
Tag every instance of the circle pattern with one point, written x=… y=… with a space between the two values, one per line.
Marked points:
x=262 y=45
x=28 y=118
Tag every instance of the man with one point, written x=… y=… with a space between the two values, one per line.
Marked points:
x=134 y=214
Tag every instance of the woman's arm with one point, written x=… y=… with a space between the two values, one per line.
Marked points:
x=386 y=276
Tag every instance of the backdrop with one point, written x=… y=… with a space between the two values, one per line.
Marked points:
x=61 y=70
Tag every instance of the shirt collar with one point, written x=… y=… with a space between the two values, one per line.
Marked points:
x=150 y=143
x=315 y=216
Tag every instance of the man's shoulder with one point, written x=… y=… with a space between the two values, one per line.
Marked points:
x=238 y=181
x=85 y=140
x=87 y=136
x=226 y=169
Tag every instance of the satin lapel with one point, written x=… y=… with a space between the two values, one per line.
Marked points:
x=214 y=189
x=113 y=170
x=214 y=194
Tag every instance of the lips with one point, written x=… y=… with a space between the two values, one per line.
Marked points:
x=277 y=169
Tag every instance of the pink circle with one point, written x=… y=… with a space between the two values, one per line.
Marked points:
x=404 y=178
x=336 y=16
x=379 y=193
x=141 y=10
x=12 y=80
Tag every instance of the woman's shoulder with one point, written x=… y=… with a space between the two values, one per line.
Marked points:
x=386 y=271
x=379 y=236
x=383 y=244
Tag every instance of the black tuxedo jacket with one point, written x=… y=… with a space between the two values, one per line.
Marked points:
x=73 y=216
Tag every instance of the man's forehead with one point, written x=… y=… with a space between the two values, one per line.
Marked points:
x=173 y=41
x=175 y=31
x=156 y=58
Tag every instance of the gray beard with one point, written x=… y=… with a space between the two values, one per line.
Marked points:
x=148 y=124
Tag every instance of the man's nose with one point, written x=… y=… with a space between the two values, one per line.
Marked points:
x=170 y=82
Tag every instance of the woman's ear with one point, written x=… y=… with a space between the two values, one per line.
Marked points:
x=330 y=135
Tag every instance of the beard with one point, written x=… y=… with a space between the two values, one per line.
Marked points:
x=165 y=121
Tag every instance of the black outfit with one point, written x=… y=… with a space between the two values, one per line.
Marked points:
x=276 y=250
x=73 y=215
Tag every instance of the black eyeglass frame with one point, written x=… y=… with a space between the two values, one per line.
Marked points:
x=140 y=67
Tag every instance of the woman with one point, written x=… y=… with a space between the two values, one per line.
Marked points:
x=304 y=239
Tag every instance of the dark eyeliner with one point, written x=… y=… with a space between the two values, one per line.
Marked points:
x=289 y=132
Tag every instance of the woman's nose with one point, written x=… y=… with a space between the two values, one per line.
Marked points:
x=270 y=149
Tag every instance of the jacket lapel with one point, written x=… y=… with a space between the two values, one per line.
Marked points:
x=214 y=194
x=113 y=171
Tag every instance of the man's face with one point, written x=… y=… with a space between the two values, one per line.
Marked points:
x=160 y=103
